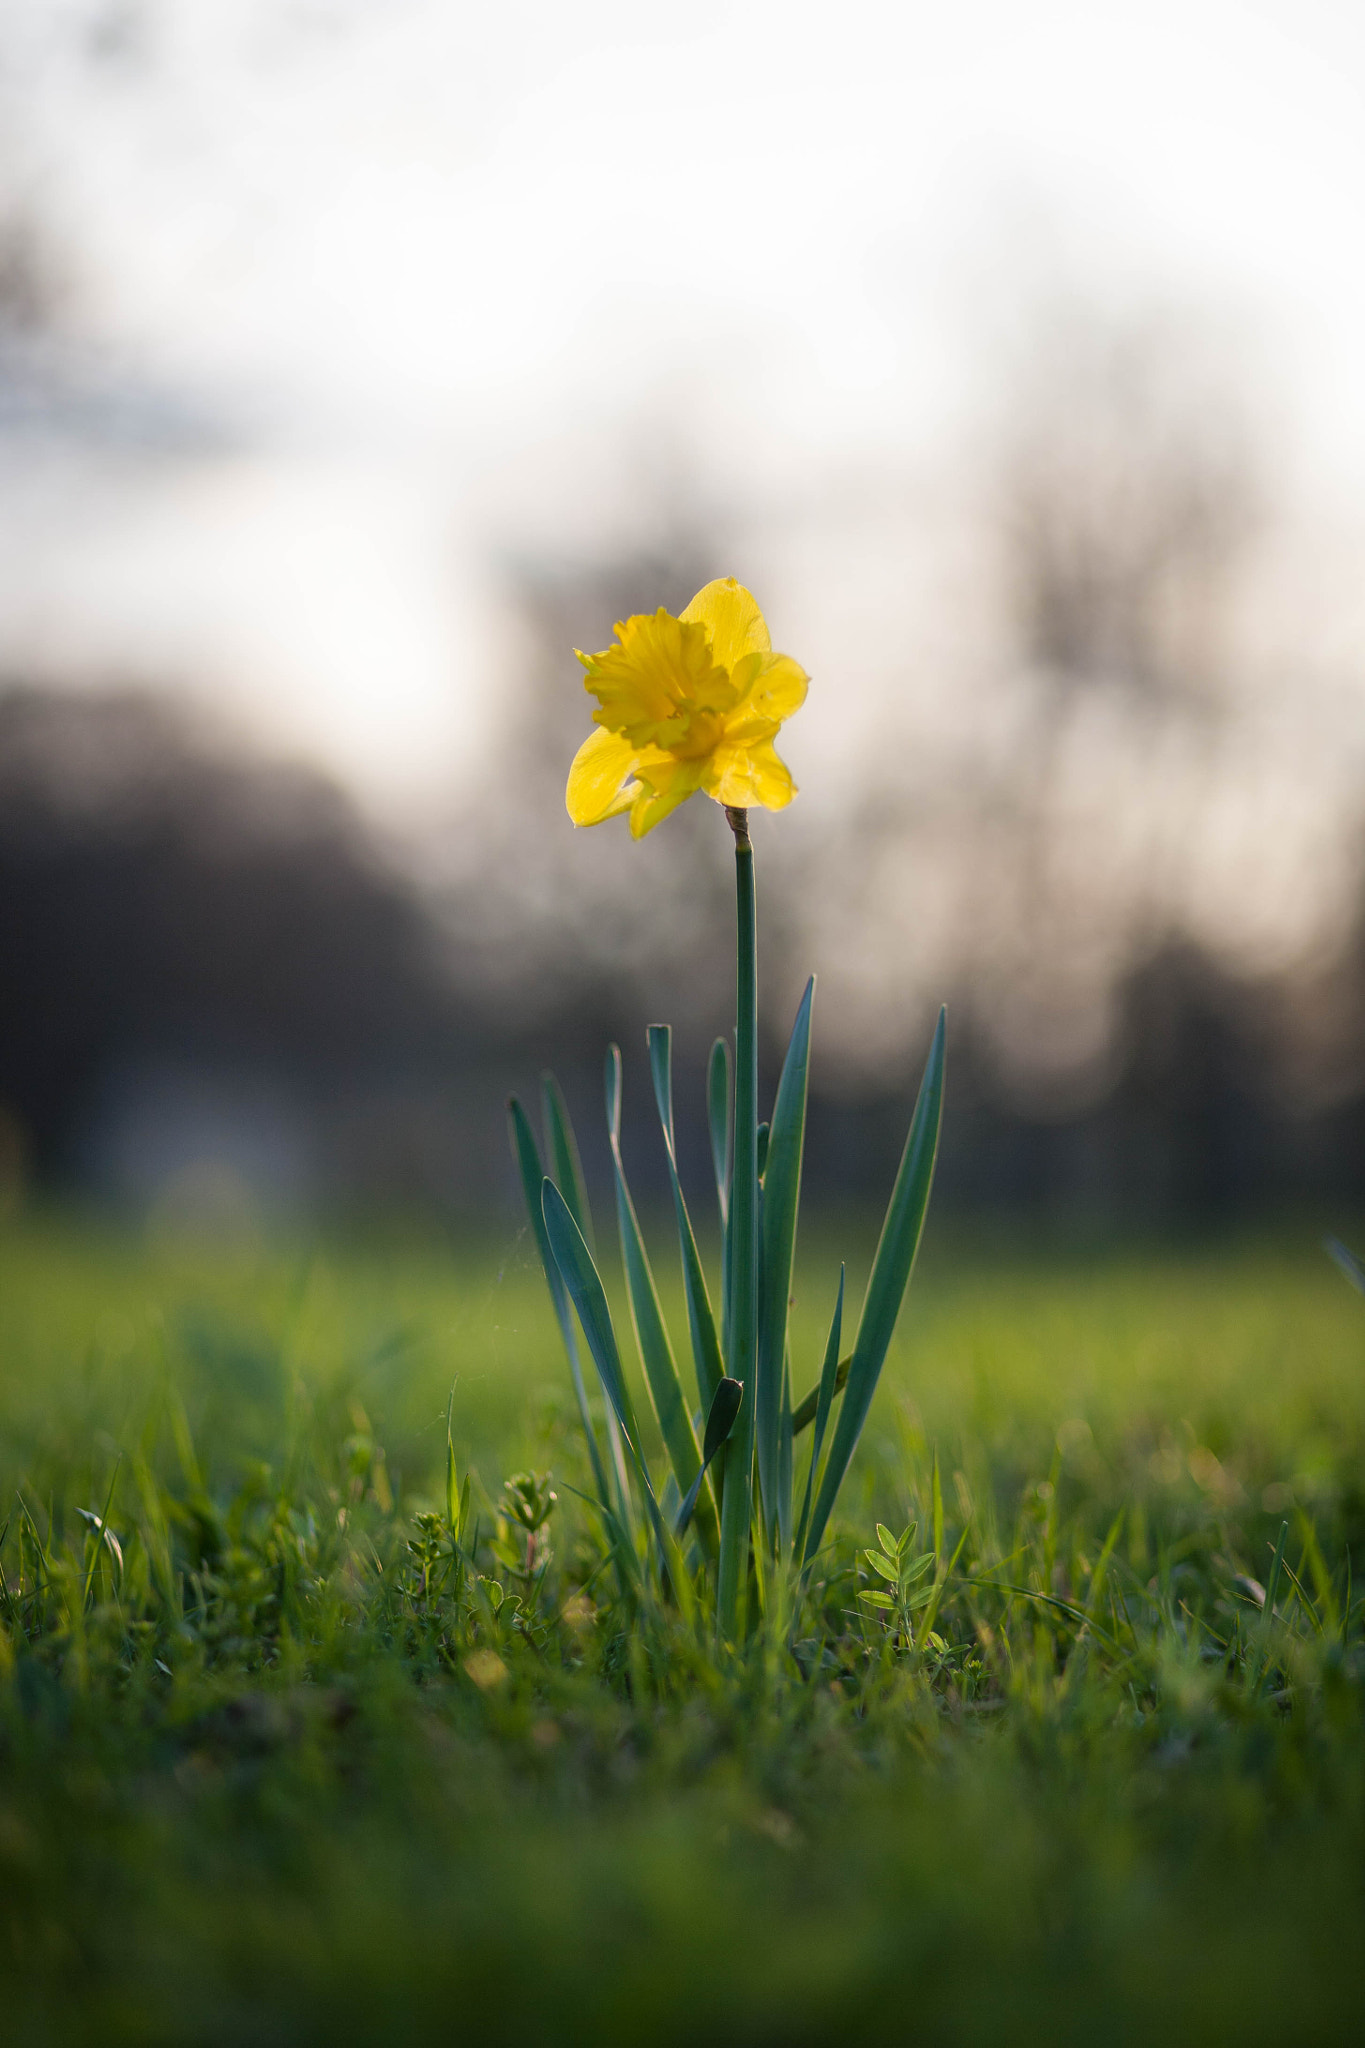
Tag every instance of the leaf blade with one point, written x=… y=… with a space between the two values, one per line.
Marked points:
x=526 y=1153
x=824 y=1397
x=706 y=1353
x=564 y=1153
x=889 y=1279
x=651 y=1333
x=781 y=1203
x=729 y=1398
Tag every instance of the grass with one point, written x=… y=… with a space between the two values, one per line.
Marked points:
x=290 y=1767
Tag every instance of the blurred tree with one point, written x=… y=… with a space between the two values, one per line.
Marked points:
x=1120 y=492
x=164 y=897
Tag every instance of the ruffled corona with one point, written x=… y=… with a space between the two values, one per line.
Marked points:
x=686 y=704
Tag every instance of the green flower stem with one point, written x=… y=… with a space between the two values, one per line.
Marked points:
x=737 y=1478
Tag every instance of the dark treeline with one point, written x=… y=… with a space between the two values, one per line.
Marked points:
x=206 y=959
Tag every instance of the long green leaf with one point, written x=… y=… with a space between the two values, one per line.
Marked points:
x=527 y=1155
x=651 y=1334
x=568 y=1167
x=830 y=1382
x=568 y=1178
x=781 y=1202
x=803 y=1414
x=701 y=1323
x=890 y=1277
x=584 y=1285
x=784 y=1461
x=725 y=1407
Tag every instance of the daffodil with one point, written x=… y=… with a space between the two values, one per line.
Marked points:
x=686 y=704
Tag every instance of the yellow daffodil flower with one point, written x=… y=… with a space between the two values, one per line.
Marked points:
x=686 y=704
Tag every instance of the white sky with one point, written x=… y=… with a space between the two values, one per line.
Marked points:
x=451 y=267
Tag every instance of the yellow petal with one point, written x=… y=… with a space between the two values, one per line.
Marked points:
x=778 y=690
x=749 y=775
x=665 y=782
x=733 y=621
x=600 y=766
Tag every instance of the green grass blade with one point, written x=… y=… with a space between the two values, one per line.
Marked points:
x=781 y=1202
x=1051 y=1600
x=1272 y=1584
x=701 y=1322
x=942 y=1574
x=566 y=1165
x=824 y=1401
x=890 y=1277
x=527 y=1155
x=1101 y=1571
x=1346 y=1261
x=620 y=1551
x=1317 y=1565
x=651 y=1334
x=1263 y=1658
x=102 y=1535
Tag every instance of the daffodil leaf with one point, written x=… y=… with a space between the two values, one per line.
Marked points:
x=784 y=1459
x=890 y=1277
x=527 y=1155
x=725 y=1408
x=781 y=1202
x=805 y=1411
x=706 y=1351
x=584 y=1286
x=729 y=1397
x=833 y=1375
x=567 y=1166
x=651 y=1334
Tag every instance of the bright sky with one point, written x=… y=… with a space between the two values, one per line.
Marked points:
x=448 y=266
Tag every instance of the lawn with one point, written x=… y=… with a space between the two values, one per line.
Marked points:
x=275 y=1766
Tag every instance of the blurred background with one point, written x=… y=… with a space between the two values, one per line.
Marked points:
x=360 y=358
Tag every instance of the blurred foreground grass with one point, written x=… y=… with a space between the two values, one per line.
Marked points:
x=257 y=1782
